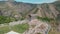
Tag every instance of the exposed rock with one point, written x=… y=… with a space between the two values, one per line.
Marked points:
x=39 y=27
x=50 y=10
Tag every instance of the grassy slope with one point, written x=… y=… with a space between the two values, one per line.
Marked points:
x=4 y=29
x=17 y=28
x=20 y=28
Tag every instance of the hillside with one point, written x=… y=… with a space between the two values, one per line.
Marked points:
x=30 y=18
x=50 y=10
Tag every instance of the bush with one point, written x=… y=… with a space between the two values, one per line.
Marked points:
x=6 y=19
x=22 y=18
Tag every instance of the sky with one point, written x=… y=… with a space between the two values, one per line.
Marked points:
x=36 y=1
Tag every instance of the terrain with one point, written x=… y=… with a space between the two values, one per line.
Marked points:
x=50 y=10
x=17 y=12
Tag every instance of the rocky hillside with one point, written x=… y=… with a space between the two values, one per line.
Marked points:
x=50 y=10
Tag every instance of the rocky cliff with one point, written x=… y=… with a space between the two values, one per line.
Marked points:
x=50 y=10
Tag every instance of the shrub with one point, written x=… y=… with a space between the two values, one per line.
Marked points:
x=6 y=19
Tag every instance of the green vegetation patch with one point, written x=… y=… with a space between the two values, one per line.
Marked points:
x=44 y=19
x=6 y=19
x=4 y=29
x=20 y=28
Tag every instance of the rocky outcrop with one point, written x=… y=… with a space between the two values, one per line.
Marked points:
x=50 y=10
x=38 y=27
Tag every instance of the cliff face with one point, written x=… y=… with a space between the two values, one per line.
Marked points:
x=50 y=10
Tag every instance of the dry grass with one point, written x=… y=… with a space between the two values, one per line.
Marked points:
x=54 y=31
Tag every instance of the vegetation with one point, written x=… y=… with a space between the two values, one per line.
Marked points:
x=38 y=33
x=20 y=28
x=53 y=31
x=4 y=29
x=5 y=19
x=22 y=18
x=17 y=28
x=44 y=19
